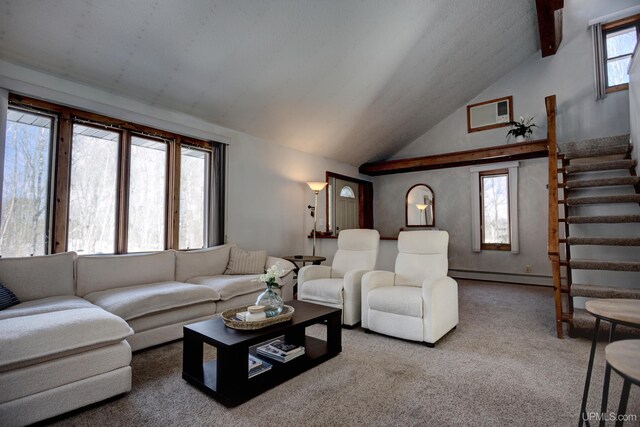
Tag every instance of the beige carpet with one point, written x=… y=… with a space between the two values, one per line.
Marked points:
x=502 y=366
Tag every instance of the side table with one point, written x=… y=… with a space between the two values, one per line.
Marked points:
x=624 y=358
x=615 y=311
x=304 y=259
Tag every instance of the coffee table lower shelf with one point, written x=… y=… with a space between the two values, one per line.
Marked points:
x=225 y=378
x=315 y=354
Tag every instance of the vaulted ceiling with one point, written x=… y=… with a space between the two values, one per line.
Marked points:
x=350 y=80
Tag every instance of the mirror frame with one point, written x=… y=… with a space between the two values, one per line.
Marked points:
x=406 y=205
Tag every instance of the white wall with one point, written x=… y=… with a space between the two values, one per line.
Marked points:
x=568 y=75
x=267 y=196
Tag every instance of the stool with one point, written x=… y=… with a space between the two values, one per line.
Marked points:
x=615 y=311
x=624 y=358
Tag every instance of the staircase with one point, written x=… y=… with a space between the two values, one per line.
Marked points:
x=597 y=235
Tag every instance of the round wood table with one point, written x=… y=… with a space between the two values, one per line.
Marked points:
x=616 y=312
x=624 y=357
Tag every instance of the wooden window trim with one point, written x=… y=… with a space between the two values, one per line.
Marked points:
x=609 y=27
x=494 y=246
x=61 y=175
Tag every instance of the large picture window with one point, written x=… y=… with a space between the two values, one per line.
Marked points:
x=194 y=179
x=147 y=195
x=79 y=181
x=93 y=190
x=24 y=223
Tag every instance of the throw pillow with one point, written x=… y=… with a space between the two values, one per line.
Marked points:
x=246 y=262
x=7 y=298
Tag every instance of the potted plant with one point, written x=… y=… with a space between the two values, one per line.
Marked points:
x=522 y=129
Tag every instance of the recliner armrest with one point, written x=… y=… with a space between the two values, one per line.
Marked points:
x=371 y=280
x=440 y=305
x=312 y=272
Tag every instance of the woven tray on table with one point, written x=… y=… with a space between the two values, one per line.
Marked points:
x=228 y=316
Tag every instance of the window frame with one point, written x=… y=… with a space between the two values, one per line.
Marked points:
x=612 y=27
x=494 y=246
x=476 y=209
x=61 y=174
x=51 y=166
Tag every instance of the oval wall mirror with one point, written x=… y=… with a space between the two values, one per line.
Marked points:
x=420 y=206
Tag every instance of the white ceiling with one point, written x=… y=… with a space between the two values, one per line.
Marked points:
x=344 y=79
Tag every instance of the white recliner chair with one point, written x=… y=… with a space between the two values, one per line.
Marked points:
x=418 y=302
x=339 y=285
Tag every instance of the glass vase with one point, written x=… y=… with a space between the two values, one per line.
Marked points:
x=271 y=301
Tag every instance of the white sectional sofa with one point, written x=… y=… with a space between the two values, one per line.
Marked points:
x=69 y=341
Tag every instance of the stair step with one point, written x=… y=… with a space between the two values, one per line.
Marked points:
x=594 y=143
x=601 y=166
x=603 y=182
x=599 y=291
x=604 y=241
x=597 y=200
x=604 y=265
x=604 y=219
x=596 y=152
x=583 y=324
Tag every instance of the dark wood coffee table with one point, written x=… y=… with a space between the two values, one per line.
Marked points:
x=226 y=377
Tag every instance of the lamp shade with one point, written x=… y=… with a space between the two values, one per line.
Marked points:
x=316 y=185
x=421 y=206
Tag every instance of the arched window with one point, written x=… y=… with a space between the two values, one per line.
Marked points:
x=347 y=192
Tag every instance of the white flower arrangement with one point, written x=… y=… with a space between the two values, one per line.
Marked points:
x=271 y=276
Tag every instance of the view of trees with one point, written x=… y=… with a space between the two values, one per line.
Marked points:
x=93 y=189
x=23 y=224
x=92 y=196
x=620 y=46
x=147 y=195
x=193 y=191
x=495 y=209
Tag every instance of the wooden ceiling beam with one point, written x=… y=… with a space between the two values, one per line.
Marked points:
x=549 y=25
x=519 y=151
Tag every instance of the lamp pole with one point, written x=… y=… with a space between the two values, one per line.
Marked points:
x=315 y=221
x=316 y=187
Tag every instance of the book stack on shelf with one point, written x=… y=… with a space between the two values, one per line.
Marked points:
x=257 y=366
x=280 y=350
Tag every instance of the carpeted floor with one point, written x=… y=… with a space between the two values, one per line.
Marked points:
x=502 y=366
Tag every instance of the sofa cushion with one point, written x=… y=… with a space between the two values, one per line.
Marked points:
x=102 y=272
x=230 y=286
x=403 y=300
x=45 y=305
x=323 y=290
x=7 y=298
x=31 y=278
x=171 y=317
x=131 y=302
x=246 y=262
x=27 y=340
x=32 y=379
x=202 y=262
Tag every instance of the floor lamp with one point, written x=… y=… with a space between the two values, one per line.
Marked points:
x=421 y=207
x=316 y=187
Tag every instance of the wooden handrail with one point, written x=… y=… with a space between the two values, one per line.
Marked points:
x=553 y=239
x=550 y=102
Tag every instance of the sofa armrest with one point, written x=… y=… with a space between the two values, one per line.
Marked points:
x=312 y=272
x=371 y=280
x=440 y=306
